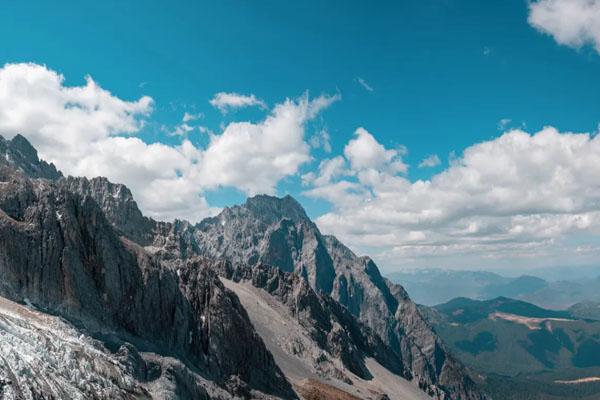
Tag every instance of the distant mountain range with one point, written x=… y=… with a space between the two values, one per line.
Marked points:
x=98 y=301
x=435 y=286
x=522 y=351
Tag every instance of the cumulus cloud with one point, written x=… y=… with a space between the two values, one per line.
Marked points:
x=430 y=161
x=365 y=152
x=346 y=181
x=86 y=130
x=228 y=101
x=59 y=119
x=512 y=194
x=254 y=157
x=573 y=23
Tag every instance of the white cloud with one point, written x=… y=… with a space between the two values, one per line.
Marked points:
x=86 y=130
x=59 y=119
x=186 y=126
x=347 y=181
x=364 y=84
x=181 y=130
x=572 y=23
x=254 y=157
x=228 y=101
x=430 y=161
x=328 y=170
x=503 y=197
x=365 y=152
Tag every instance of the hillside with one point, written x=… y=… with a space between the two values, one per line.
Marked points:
x=82 y=250
x=521 y=347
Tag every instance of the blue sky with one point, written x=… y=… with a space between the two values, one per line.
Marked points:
x=437 y=76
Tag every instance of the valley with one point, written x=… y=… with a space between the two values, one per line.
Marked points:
x=519 y=350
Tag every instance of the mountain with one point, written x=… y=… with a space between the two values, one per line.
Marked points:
x=586 y=310
x=521 y=286
x=277 y=232
x=435 y=286
x=520 y=350
x=18 y=153
x=59 y=253
x=179 y=309
x=565 y=293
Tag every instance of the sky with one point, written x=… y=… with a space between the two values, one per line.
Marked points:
x=426 y=133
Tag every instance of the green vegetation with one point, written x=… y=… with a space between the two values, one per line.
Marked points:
x=521 y=350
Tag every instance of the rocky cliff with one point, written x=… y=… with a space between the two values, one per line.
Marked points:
x=59 y=253
x=277 y=232
x=19 y=154
x=82 y=249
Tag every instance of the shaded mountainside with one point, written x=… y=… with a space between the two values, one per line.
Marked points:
x=19 y=154
x=586 y=310
x=277 y=232
x=312 y=336
x=521 y=348
x=80 y=248
x=59 y=253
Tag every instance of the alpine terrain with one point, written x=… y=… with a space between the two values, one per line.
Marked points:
x=522 y=351
x=100 y=302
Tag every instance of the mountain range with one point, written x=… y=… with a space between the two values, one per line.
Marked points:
x=99 y=301
x=435 y=286
x=520 y=350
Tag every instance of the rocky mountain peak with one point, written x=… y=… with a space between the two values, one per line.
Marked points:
x=273 y=209
x=117 y=202
x=107 y=243
x=21 y=155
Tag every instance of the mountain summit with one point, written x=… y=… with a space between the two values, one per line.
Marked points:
x=252 y=303
x=20 y=154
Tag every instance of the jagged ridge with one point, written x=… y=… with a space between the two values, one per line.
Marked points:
x=269 y=230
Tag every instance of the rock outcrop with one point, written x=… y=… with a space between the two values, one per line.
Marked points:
x=82 y=249
x=21 y=155
x=277 y=232
x=59 y=253
x=329 y=324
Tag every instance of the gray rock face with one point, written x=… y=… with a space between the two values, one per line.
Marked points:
x=260 y=232
x=59 y=253
x=268 y=230
x=331 y=326
x=118 y=205
x=21 y=155
x=82 y=248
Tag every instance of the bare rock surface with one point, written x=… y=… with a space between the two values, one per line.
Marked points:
x=59 y=253
x=317 y=368
x=22 y=156
x=80 y=248
x=277 y=232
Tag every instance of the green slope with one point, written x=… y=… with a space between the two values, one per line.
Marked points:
x=510 y=341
